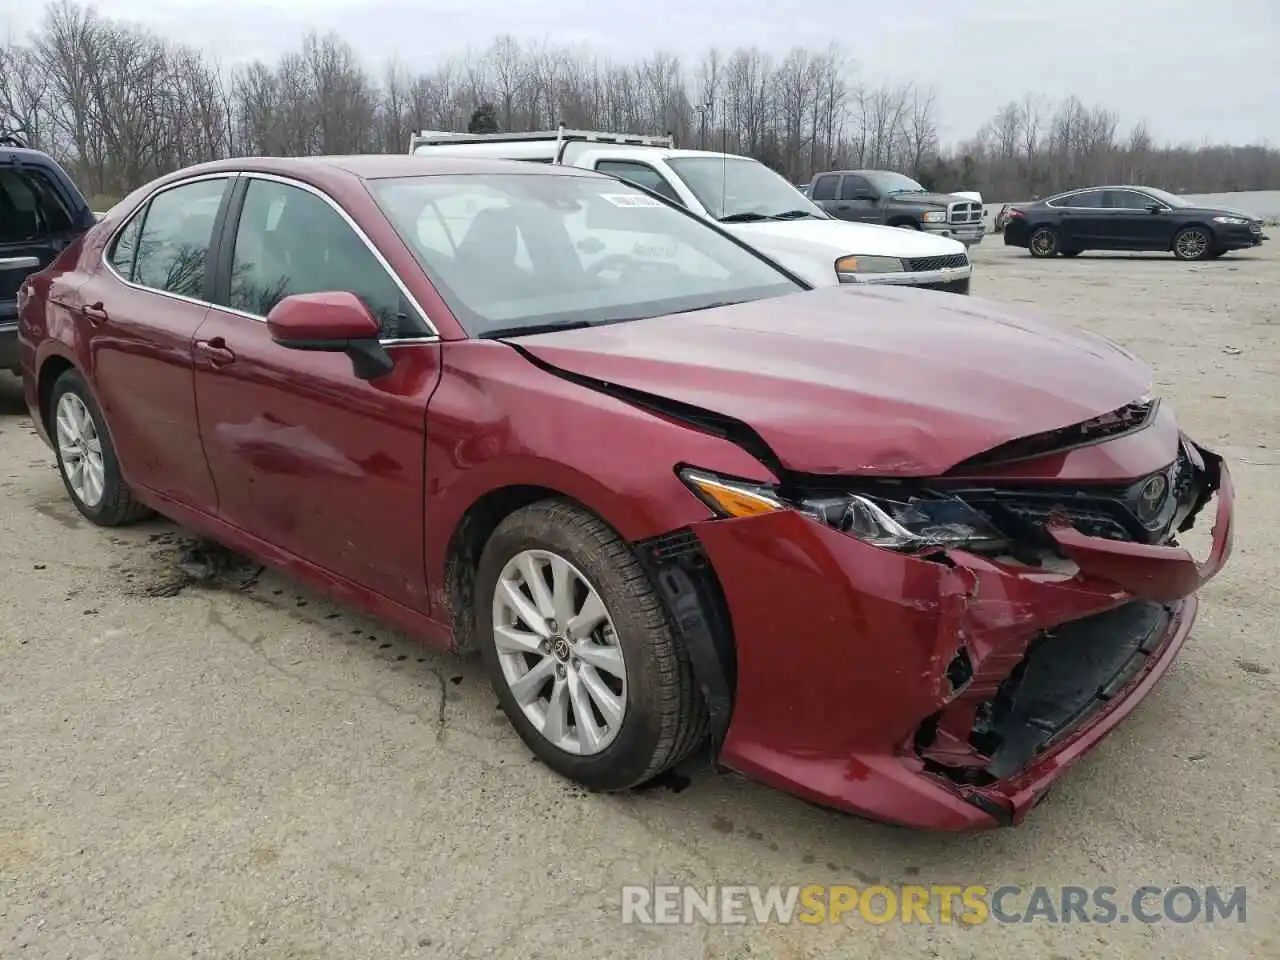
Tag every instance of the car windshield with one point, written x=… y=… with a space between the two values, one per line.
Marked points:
x=1171 y=199
x=738 y=189
x=512 y=253
x=891 y=183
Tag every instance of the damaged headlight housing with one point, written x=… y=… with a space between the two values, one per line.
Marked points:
x=915 y=523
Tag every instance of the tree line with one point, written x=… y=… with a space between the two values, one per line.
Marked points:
x=119 y=105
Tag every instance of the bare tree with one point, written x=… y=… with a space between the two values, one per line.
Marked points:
x=119 y=105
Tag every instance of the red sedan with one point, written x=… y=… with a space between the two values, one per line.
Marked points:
x=900 y=553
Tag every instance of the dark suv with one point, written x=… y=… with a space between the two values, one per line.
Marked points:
x=41 y=213
x=894 y=200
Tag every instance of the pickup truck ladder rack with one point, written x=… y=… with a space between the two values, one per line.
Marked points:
x=560 y=136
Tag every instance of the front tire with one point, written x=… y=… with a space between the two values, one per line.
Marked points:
x=580 y=650
x=87 y=459
x=1193 y=243
x=1043 y=242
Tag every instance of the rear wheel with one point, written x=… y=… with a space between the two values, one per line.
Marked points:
x=1193 y=243
x=580 y=650
x=1043 y=242
x=86 y=457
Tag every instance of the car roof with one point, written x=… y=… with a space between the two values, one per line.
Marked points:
x=25 y=154
x=380 y=166
x=1110 y=186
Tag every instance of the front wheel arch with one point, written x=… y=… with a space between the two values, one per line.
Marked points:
x=467 y=543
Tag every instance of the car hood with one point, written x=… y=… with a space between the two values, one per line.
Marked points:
x=884 y=381
x=1217 y=212
x=810 y=248
x=925 y=199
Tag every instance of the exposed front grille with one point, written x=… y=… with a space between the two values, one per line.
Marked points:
x=1147 y=510
x=917 y=264
x=966 y=211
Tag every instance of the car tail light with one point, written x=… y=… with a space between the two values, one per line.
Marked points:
x=1013 y=213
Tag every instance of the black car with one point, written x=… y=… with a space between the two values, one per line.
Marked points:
x=41 y=213
x=1128 y=218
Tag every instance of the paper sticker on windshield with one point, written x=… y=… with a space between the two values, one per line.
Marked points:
x=631 y=200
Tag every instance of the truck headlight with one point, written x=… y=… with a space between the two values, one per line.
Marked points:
x=934 y=216
x=849 y=269
x=911 y=524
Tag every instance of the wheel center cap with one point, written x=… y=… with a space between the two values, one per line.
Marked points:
x=561 y=650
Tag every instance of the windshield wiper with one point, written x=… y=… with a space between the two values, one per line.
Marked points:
x=795 y=215
x=529 y=329
x=744 y=218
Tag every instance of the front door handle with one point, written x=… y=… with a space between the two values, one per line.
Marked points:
x=95 y=313
x=215 y=351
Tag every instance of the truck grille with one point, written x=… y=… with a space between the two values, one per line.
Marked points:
x=951 y=260
x=965 y=211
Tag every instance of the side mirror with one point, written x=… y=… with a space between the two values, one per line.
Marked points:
x=1155 y=208
x=866 y=196
x=332 y=322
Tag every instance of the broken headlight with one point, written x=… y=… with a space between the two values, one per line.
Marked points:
x=910 y=524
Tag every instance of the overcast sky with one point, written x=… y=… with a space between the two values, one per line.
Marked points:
x=1193 y=70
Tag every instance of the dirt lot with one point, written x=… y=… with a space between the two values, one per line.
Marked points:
x=236 y=768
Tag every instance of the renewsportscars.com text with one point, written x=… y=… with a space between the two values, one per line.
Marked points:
x=833 y=903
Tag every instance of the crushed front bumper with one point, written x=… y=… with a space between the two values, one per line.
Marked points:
x=949 y=692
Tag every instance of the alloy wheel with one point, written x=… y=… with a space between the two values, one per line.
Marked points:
x=80 y=450
x=559 y=652
x=1044 y=242
x=1192 y=244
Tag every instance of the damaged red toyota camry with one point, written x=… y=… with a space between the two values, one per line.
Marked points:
x=904 y=554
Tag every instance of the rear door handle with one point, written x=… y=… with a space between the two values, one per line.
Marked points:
x=95 y=313
x=215 y=351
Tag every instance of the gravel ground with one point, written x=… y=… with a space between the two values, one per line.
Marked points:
x=235 y=768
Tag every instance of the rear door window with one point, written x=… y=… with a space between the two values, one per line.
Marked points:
x=1089 y=200
x=177 y=229
x=30 y=206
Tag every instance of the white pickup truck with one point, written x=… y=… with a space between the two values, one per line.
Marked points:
x=743 y=196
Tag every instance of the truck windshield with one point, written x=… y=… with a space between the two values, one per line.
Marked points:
x=891 y=183
x=519 y=253
x=738 y=189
